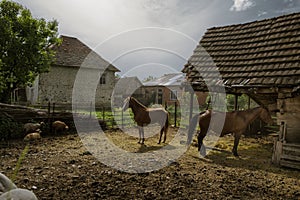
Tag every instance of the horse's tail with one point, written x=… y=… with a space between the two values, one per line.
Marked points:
x=192 y=127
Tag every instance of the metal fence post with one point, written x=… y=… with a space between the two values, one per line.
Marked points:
x=175 y=114
x=122 y=116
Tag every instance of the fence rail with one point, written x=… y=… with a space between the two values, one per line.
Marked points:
x=116 y=118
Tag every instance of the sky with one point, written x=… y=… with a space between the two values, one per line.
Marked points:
x=150 y=37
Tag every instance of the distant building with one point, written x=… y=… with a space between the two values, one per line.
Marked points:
x=125 y=87
x=167 y=89
x=164 y=90
x=57 y=84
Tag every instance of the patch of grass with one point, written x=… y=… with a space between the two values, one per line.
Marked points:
x=128 y=140
x=18 y=165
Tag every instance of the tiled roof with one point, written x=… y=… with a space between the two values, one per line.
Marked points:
x=257 y=54
x=175 y=79
x=72 y=53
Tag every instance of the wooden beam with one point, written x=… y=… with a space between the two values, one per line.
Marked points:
x=236 y=99
x=191 y=105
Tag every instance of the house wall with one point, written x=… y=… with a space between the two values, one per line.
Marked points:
x=289 y=116
x=32 y=92
x=104 y=91
x=57 y=85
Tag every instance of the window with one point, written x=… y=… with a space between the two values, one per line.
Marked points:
x=173 y=94
x=103 y=79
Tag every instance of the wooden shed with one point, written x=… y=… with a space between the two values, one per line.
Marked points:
x=260 y=59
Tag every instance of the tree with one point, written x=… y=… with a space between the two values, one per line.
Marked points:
x=149 y=78
x=25 y=46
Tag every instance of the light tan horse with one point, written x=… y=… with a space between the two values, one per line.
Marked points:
x=144 y=116
x=236 y=122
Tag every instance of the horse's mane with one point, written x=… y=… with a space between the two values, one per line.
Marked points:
x=139 y=103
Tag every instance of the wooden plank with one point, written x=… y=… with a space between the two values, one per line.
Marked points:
x=287 y=148
x=290 y=164
x=292 y=145
x=277 y=151
x=290 y=157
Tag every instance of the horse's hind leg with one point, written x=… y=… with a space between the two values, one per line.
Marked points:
x=165 y=136
x=160 y=135
x=237 y=137
x=162 y=130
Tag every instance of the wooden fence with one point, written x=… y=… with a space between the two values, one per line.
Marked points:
x=116 y=118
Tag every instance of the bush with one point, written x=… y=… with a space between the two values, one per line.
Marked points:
x=9 y=129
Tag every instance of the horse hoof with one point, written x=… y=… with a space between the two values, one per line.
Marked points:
x=235 y=154
x=203 y=154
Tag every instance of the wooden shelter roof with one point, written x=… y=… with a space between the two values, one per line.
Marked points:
x=259 y=54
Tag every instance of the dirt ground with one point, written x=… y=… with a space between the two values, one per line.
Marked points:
x=61 y=167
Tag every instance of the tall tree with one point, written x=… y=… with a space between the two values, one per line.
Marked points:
x=25 y=46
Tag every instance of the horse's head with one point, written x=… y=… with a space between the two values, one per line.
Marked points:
x=126 y=104
x=265 y=116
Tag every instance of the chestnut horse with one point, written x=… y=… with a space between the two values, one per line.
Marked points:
x=236 y=122
x=144 y=116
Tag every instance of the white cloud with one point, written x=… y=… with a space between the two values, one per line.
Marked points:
x=241 y=5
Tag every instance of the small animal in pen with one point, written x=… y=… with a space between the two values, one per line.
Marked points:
x=32 y=127
x=33 y=136
x=59 y=126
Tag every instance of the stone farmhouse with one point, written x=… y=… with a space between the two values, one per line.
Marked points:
x=57 y=85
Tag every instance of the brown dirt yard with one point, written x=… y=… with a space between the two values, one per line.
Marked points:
x=60 y=167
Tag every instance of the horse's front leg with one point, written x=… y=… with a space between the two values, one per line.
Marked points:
x=142 y=135
x=201 y=147
x=237 y=137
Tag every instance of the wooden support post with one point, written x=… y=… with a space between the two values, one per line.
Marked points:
x=236 y=98
x=53 y=111
x=191 y=105
x=122 y=116
x=249 y=102
x=175 y=114
x=103 y=113
x=49 y=116
x=90 y=110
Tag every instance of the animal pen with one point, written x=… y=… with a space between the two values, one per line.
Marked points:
x=260 y=59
